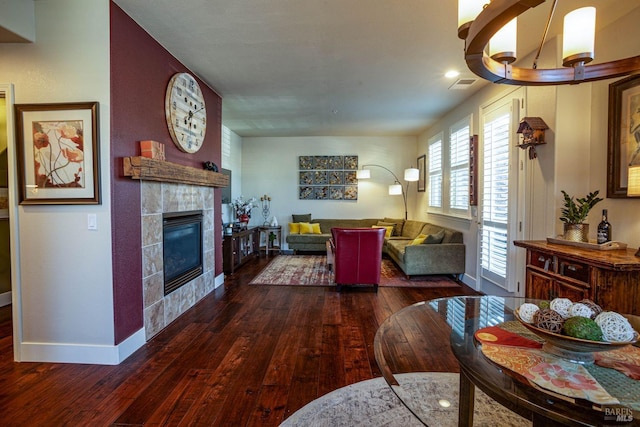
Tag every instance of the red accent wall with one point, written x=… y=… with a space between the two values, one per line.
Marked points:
x=140 y=71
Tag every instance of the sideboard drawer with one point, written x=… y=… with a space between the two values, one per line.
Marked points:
x=573 y=269
x=541 y=260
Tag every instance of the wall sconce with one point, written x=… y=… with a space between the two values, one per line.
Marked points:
x=395 y=189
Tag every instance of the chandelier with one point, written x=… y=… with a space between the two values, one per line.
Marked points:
x=495 y=24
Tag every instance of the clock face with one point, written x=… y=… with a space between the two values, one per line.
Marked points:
x=185 y=112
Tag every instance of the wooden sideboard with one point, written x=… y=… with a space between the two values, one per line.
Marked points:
x=610 y=278
x=238 y=248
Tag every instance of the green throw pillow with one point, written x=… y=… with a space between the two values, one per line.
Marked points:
x=434 y=238
x=301 y=217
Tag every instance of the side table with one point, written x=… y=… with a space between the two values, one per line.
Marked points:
x=266 y=230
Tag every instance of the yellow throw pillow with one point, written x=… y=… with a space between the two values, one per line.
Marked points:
x=306 y=228
x=294 y=228
x=389 y=229
x=419 y=240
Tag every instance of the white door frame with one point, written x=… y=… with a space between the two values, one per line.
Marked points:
x=16 y=294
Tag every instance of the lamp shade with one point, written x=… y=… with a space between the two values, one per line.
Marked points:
x=468 y=10
x=411 y=174
x=633 y=186
x=502 y=46
x=578 y=36
x=395 y=189
x=363 y=174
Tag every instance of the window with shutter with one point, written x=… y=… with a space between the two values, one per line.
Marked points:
x=435 y=173
x=459 y=167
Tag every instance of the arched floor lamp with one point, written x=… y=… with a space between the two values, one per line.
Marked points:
x=395 y=189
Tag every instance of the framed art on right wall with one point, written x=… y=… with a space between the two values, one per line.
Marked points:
x=624 y=134
x=422 y=168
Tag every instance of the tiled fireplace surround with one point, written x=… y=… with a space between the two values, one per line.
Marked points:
x=156 y=199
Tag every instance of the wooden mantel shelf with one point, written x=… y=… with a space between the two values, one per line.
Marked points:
x=144 y=168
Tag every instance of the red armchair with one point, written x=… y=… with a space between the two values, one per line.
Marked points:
x=357 y=256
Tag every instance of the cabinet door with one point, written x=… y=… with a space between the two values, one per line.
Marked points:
x=539 y=286
x=567 y=290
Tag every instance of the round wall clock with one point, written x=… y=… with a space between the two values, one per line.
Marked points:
x=185 y=112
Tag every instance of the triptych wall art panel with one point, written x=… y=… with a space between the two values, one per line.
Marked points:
x=328 y=178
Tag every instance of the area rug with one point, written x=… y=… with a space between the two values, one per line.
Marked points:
x=311 y=270
x=373 y=403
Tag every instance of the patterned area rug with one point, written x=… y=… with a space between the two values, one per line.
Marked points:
x=311 y=270
x=373 y=403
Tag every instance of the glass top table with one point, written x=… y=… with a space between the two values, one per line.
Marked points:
x=405 y=342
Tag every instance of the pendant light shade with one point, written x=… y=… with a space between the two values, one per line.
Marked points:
x=411 y=174
x=467 y=12
x=578 y=36
x=502 y=46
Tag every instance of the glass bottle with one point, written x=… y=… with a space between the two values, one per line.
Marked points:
x=604 y=229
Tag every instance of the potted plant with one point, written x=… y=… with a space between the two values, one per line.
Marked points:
x=574 y=215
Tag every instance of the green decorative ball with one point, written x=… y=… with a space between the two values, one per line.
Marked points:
x=583 y=328
x=543 y=304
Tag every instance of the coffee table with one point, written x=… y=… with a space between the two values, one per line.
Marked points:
x=405 y=340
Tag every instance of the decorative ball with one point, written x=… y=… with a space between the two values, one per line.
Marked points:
x=548 y=319
x=593 y=306
x=526 y=311
x=562 y=306
x=543 y=304
x=615 y=327
x=582 y=327
x=581 y=310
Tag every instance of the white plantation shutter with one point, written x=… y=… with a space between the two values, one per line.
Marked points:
x=435 y=173
x=459 y=168
x=495 y=198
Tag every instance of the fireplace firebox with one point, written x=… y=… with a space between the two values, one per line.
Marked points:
x=182 y=248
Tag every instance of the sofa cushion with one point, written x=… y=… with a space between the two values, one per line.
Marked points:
x=301 y=217
x=419 y=239
x=399 y=222
x=434 y=238
x=389 y=229
x=294 y=228
x=307 y=228
x=412 y=228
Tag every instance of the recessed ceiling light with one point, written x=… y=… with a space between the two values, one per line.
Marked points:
x=451 y=74
x=444 y=403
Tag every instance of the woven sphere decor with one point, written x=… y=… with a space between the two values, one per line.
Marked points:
x=593 y=306
x=581 y=310
x=527 y=311
x=615 y=327
x=549 y=319
x=561 y=306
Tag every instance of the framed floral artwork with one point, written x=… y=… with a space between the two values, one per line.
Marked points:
x=624 y=134
x=422 y=177
x=58 y=153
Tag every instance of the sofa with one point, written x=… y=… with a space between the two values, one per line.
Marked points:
x=442 y=250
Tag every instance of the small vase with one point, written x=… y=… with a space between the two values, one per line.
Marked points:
x=243 y=218
x=576 y=232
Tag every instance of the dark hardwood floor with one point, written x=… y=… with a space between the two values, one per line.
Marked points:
x=244 y=356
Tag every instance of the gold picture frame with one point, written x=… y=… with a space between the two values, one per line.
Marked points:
x=58 y=153
x=624 y=134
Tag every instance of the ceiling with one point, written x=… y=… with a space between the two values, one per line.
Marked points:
x=330 y=67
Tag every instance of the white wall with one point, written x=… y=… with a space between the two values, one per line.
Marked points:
x=65 y=300
x=270 y=166
x=232 y=160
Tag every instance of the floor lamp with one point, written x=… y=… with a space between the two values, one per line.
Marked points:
x=395 y=189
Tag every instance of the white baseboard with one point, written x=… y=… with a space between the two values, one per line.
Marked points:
x=82 y=353
x=5 y=299
x=469 y=281
x=219 y=281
